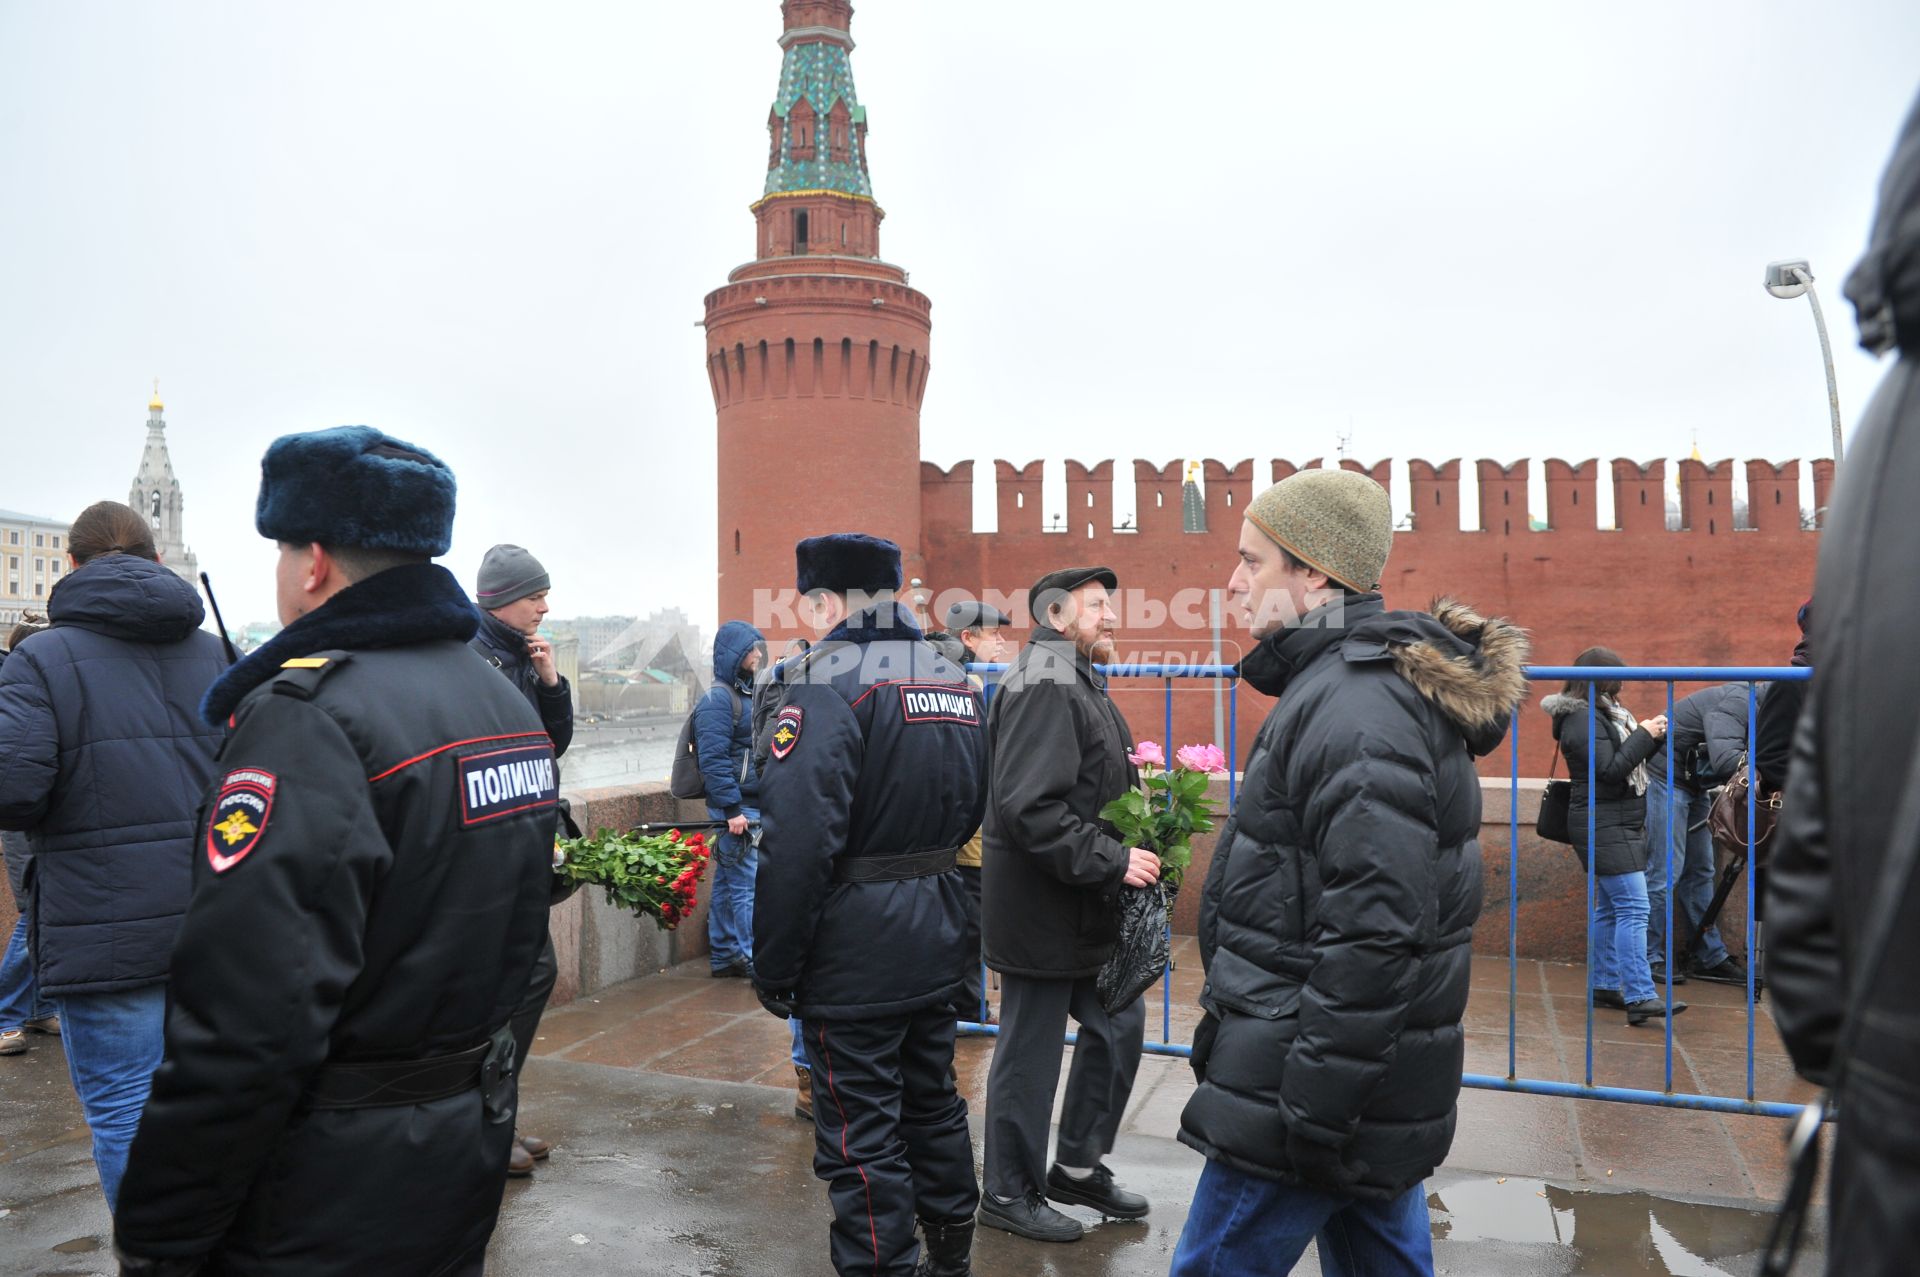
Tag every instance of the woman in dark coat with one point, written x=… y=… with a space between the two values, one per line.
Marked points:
x=1616 y=809
x=104 y=759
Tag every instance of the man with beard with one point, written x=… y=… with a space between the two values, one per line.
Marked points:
x=1051 y=873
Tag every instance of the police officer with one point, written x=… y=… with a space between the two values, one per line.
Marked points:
x=873 y=782
x=370 y=891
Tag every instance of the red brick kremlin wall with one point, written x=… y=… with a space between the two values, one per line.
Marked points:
x=1705 y=595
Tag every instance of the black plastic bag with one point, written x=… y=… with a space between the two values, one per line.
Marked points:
x=1141 y=954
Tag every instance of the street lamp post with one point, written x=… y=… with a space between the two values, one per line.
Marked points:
x=1790 y=279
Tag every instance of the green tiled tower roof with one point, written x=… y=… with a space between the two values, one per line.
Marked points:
x=820 y=73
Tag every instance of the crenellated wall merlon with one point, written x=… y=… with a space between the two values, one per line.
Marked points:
x=1434 y=498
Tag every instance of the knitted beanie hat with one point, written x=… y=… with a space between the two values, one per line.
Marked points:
x=1334 y=521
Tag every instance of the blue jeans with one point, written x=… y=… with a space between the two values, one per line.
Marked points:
x=1243 y=1226
x=114 y=1042
x=1693 y=865
x=1620 y=936
x=799 y=1042
x=730 y=902
x=19 y=991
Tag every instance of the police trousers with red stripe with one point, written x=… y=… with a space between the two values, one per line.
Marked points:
x=890 y=1135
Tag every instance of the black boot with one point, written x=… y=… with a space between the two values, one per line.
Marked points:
x=947 y=1249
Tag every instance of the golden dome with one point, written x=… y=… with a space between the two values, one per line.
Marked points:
x=154 y=404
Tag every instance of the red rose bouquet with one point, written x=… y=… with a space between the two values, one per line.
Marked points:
x=655 y=875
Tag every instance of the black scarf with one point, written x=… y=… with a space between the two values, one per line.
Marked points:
x=418 y=603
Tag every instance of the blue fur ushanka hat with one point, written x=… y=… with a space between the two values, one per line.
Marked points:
x=353 y=486
x=847 y=563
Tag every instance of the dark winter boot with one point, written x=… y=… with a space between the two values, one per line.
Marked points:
x=947 y=1249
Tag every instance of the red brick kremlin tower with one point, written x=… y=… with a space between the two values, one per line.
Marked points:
x=816 y=349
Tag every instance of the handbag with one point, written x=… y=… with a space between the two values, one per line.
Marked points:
x=1727 y=818
x=1555 y=805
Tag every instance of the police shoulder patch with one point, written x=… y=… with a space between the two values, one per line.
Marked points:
x=239 y=818
x=786 y=730
x=939 y=703
x=506 y=782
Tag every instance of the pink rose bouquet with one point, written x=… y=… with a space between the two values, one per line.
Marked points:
x=1169 y=806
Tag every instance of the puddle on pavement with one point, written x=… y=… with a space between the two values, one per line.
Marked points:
x=1624 y=1233
x=78 y=1246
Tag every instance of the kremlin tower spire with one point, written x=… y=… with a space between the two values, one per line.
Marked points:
x=817 y=348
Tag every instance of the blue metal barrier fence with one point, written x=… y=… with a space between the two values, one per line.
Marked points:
x=1590 y=675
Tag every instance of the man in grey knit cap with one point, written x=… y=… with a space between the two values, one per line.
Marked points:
x=512 y=592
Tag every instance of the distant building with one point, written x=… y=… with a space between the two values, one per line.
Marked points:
x=33 y=555
x=253 y=634
x=156 y=495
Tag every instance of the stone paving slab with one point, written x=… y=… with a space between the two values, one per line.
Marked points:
x=658 y=1175
x=686 y=1023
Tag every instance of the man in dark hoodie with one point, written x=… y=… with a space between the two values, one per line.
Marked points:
x=1337 y=918
x=723 y=740
x=1849 y=829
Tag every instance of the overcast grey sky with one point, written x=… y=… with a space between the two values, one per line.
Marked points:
x=1226 y=229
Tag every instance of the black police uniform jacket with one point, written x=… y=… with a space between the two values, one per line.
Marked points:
x=877 y=749
x=370 y=883
x=1336 y=924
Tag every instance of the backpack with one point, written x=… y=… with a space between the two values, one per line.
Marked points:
x=687 y=780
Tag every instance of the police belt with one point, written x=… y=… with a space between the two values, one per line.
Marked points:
x=367 y=1084
x=920 y=864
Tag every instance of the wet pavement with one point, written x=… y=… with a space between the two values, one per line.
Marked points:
x=669 y=1102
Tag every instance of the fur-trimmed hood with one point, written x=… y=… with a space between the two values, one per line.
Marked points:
x=1478 y=687
x=1561 y=704
x=1472 y=667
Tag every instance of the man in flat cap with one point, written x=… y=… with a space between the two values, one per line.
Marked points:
x=512 y=592
x=1051 y=875
x=872 y=784
x=980 y=628
x=370 y=892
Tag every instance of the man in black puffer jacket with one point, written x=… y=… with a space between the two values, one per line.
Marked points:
x=370 y=889
x=872 y=785
x=1337 y=919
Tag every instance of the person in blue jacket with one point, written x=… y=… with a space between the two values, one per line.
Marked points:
x=873 y=782
x=723 y=740
x=104 y=760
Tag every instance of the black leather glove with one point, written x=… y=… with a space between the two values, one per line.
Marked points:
x=779 y=1003
x=1203 y=1035
x=1320 y=1166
